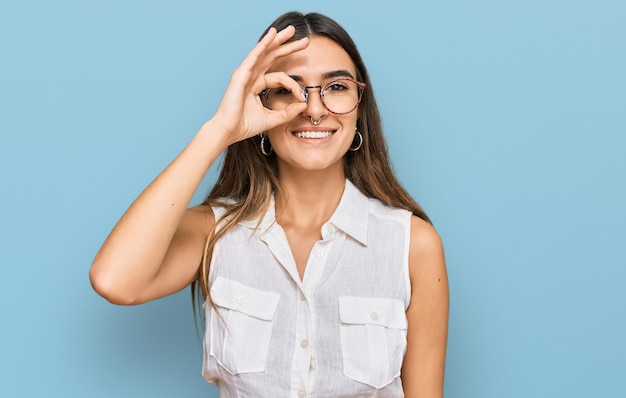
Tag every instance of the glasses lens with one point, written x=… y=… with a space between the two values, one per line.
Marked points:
x=339 y=96
x=279 y=98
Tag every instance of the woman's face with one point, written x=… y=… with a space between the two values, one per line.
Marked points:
x=299 y=144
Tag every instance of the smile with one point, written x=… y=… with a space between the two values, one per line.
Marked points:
x=312 y=134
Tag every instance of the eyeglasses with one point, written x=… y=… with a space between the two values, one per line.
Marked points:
x=339 y=96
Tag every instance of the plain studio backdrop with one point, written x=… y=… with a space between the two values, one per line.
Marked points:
x=505 y=119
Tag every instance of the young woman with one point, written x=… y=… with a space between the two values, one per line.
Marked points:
x=322 y=277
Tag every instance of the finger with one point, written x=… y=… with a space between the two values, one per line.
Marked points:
x=265 y=61
x=279 y=47
x=285 y=34
x=290 y=48
x=286 y=114
x=281 y=79
x=269 y=42
x=265 y=53
x=259 y=49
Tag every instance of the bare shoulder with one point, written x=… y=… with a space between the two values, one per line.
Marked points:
x=201 y=211
x=427 y=315
x=198 y=219
x=426 y=250
x=187 y=245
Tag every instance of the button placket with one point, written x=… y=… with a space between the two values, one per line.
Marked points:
x=304 y=367
x=302 y=355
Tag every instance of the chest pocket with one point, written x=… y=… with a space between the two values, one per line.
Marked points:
x=241 y=328
x=373 y=339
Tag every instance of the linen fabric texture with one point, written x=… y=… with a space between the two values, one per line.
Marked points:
x=338 y=332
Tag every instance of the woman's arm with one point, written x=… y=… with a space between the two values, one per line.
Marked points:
x=424 y=361
x=156 y=247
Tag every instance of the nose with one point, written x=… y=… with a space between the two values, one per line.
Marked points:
x=315 y=107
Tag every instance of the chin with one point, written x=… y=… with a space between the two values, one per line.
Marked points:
x=314 y=164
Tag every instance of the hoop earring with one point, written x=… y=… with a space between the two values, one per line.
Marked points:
x=360 y=142
x=263 y=150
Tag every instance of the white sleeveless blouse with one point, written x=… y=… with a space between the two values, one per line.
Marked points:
x=338 y=332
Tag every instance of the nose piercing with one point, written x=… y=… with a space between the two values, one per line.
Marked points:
x=316 y=122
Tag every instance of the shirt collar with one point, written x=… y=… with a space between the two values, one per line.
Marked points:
x=350 y=216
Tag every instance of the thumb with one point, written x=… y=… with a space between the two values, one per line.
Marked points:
x=290 y=112
x=286 y=114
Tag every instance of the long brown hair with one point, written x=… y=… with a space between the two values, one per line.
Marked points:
x=248 y=178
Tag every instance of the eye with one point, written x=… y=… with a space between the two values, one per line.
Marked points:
x=337 y=86
x=282 y=91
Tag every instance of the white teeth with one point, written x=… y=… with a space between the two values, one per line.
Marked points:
x=312 y=134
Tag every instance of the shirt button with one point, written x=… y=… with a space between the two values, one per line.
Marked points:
x=241 y=299
x=374 y=316
x=301 y=393
x=319 y=254
x=304 y=343
x=302 y=296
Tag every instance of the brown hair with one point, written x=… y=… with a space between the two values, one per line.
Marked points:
x=248 y=178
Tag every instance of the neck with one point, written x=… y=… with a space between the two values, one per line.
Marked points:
x=309 y=198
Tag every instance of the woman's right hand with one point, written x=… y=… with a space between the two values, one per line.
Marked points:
x=157 y=245
x=241 y=114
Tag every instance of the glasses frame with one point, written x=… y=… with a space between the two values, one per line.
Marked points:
x=361 y=87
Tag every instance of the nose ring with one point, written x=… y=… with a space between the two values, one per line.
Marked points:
x=316 y=122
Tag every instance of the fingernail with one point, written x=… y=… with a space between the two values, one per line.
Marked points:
x=303 y=95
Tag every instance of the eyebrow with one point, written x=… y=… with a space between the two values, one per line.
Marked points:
x=327 y=75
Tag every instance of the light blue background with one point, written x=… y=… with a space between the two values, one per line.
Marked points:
x=505 y=119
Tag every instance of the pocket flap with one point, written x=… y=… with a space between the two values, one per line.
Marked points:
x=372 y=311
x=239 y=297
